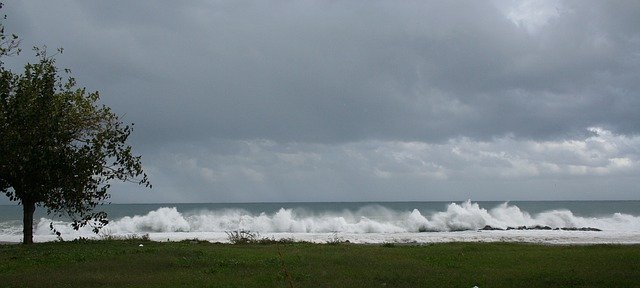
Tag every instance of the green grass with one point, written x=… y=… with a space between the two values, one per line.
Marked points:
x=200 y=264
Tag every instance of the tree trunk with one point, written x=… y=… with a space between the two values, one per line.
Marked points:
x=27 y=221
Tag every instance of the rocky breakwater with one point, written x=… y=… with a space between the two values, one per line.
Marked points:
x=539 y=227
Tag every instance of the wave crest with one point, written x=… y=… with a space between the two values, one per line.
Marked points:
x=370 y=219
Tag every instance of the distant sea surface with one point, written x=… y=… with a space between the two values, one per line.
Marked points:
x=360 y=222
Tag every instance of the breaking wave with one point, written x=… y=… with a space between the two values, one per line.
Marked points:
x=370 y=219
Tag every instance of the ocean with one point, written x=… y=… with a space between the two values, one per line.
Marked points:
x=551 y=222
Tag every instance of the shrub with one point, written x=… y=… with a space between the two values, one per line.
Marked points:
x=242 y=237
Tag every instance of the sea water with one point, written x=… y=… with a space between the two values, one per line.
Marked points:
x=357 y=222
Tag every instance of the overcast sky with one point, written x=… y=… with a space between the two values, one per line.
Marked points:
x=251 y=101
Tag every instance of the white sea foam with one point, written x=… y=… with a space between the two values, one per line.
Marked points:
x=372 y=224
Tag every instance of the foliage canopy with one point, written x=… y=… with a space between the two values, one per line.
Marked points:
x=59 y=148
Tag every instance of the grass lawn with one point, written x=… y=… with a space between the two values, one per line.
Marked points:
x=201 y=264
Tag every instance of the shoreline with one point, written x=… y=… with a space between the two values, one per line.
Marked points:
x=553 y=238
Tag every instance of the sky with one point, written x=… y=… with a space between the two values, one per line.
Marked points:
x=277 y=101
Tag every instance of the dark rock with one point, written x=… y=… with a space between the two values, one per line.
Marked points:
x=580 y=229
x=539 y=227
x=490 y=228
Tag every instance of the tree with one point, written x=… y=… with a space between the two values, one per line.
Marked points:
x=59 y=148
x=8 y=43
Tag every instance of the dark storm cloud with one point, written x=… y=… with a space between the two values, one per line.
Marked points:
x=360 y=100
x=332 y=71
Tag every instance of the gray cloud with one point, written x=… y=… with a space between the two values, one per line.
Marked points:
x=335 y=75
x=347 y=71
x=264 y=170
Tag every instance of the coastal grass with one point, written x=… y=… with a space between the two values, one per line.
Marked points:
x=124 y=263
